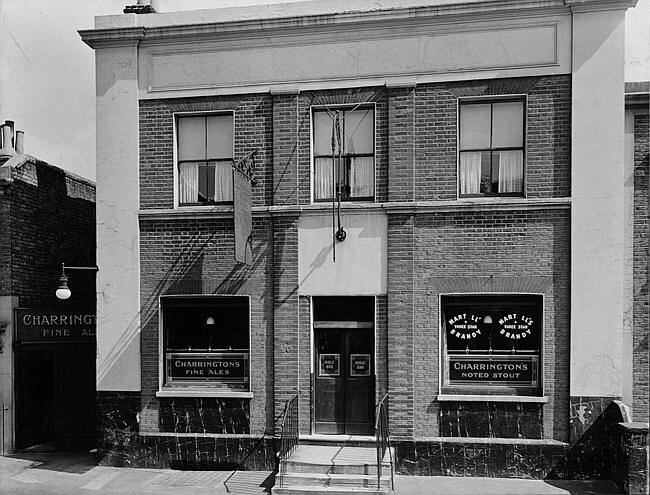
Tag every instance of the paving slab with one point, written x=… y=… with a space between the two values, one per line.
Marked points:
x=425 y=485
x=62 y=474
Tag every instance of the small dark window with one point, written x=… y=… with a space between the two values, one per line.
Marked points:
x=492 y=344
x=205 y=151
x=355 y=175
x=206 y=340
x=491 y=152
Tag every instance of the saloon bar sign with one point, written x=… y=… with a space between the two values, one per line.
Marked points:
x=42 y=326
x=218 y=367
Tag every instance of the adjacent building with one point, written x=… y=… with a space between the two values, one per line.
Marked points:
x=433 y=215
x=47 y=345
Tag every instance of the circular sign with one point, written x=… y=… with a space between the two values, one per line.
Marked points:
x=515 y=326
x=464 y=326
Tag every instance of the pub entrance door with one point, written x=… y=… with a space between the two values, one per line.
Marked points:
x=344 y=368
x=55 y=396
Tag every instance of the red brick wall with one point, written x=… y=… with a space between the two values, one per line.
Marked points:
x=187 y=256
x=286 y=311
x=253 y=128
x=523 y=251
x=51 y=220
x=422 y=142
x=472 y=252
x=641 y=254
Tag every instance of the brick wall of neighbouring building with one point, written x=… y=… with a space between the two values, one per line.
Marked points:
x=641 y=254
x=50 y=220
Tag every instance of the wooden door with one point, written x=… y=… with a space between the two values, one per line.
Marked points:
x=344 y=381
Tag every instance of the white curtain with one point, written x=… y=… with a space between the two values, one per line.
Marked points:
x=470 y=172
x=223 y=181
x=188 y=178
x=511 y=171
x=362 y=177
x=322 y=178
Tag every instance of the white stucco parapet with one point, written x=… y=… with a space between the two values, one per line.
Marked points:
x=317 y=13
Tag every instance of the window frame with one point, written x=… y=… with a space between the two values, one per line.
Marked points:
x=497 y=390
x=492 y=99
x=223 y=387
x=344 y=107
x=208 y=113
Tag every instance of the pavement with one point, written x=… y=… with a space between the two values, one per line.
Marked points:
x=67 y=474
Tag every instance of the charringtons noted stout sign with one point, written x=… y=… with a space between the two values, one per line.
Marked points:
x=206 y=367
x=42 y=325
x=503 y=370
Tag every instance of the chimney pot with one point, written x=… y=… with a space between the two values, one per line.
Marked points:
x=19 y=137
x=7 y=140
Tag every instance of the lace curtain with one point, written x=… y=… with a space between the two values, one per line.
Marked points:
x=362 y=177
x=511 y=170
x=188 y=178
x=223 y=181
x=470 y=172
x=322 y=178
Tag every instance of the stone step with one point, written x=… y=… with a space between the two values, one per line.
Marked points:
x=335 y=468
x=339 y=440
x=338 y=490
x=330 y=459
x=333 y=479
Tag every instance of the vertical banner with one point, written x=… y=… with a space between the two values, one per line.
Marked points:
x=242 y=188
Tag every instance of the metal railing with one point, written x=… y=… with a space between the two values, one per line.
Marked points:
x=288 y=436
x=382 y=439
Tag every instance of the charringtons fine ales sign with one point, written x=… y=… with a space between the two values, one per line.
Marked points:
x=206 y=367
x=38 y=326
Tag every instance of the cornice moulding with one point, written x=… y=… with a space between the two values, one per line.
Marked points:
x=406 y=207
x=99 y=38
x=150 y=29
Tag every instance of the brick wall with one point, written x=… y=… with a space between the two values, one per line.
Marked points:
x=416 y=131
x=286 y=311
x=52 y=221
x=192 y=256
x=641 y=253
x=472 y=252
x=253 y=128
x=433 y=130
x=401 y=312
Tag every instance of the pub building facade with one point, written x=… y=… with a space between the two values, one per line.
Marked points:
x=418 y=192
x=47 y=345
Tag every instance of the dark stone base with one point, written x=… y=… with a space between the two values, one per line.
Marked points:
x=205 y=415
x=117 y=421
x=120 y=442
x=491 y=419
x=631 y=469
x=493 y=458
x=195 y=452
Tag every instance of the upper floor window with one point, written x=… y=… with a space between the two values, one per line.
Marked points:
x=355 y=173
x=205 y=153
x=491 y=152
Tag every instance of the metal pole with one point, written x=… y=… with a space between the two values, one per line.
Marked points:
x=2 y=447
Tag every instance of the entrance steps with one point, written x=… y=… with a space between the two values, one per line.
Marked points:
x=326 y=467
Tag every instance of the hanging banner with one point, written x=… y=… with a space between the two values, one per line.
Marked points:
x=243 y=182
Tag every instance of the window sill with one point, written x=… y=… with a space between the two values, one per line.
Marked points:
x=490 y=398
x=226 y=394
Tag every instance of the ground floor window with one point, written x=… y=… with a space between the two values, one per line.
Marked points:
x=206 y=342
x=491 y=344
